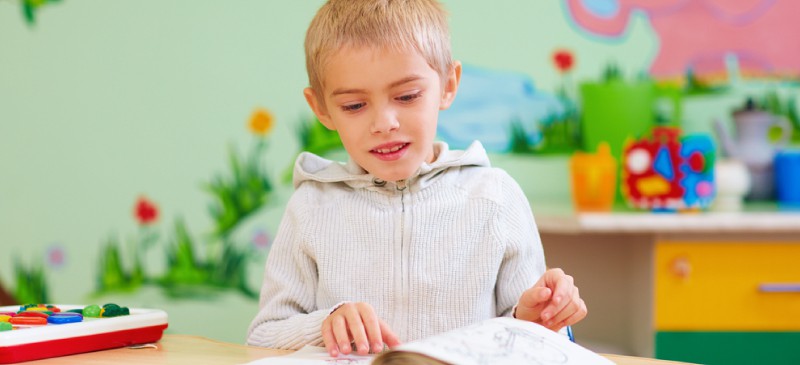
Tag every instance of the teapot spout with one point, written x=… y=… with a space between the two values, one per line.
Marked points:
x=725 y=140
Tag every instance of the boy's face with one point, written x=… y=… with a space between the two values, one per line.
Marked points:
x=385 y=105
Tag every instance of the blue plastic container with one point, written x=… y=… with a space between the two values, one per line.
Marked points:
x=787 y=178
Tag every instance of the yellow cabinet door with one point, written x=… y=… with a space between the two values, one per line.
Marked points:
x=727 y=286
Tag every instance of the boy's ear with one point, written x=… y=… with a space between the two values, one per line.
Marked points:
x=451 y=86
x=318 y=109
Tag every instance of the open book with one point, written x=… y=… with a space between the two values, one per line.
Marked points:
x=496 y=341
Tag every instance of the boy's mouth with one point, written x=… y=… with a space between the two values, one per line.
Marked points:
x=390 y=151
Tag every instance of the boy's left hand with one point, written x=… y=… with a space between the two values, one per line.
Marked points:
x=553 y=301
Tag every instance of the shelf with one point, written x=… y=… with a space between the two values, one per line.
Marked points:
x=702 y=222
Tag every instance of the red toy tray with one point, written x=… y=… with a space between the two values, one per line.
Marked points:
x=93 y=334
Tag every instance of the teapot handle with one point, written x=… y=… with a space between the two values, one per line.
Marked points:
x=726 y=144
x=786 y=131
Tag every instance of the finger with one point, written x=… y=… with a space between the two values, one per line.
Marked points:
x=563 y=292
x=389 y=338
x=562 y=287
x=532 y=302
x=576 y=317
x=551 y=276
x=559 y=317
x=341 y=335
x=329 y=339
x=535 y=297
x=357 y=333
x=570 y=306
x=572 y=314
x=373 y=329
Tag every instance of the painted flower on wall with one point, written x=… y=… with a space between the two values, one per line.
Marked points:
x=261 y=121
x=238 y=193
x=145 y=211
x=564 y=60
x=261 y=239
x=56 y=255
x=560 y=132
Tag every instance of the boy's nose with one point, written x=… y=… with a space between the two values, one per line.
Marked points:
x=384 y=121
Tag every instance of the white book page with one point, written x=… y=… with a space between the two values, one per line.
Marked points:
x=504 y=341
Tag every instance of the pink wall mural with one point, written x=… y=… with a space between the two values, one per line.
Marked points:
x=698 y=34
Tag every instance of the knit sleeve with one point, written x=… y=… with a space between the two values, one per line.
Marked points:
x=287 y=316
x=523 y=261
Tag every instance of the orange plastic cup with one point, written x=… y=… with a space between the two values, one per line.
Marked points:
x=594 y=179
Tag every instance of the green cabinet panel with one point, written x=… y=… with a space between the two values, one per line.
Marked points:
x=729 y=348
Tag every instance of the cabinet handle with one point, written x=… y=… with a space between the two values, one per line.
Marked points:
x=681 y=267
x=779 y=287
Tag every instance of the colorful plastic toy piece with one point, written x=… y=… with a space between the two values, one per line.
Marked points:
x=33 y=314
x=668 y=173
x=92 y=311
x=29 y=321
x=62 y=318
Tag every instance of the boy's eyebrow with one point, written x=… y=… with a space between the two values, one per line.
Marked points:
x=404 y=80
x=407 y=79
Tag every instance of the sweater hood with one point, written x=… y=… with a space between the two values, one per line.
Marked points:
x=309 y=166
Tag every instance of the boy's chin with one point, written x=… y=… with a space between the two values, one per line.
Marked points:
x=392 y=177
x=394 y=174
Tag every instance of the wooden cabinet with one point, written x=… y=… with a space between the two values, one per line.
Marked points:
x=727 y=302
x=710 y=287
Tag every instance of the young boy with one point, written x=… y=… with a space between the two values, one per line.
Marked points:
x=408 y=238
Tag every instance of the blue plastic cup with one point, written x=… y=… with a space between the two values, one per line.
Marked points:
x=787 y=178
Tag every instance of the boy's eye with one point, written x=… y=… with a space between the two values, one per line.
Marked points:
x=409 y=97
x=352 y=107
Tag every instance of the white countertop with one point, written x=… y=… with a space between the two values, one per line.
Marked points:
x=557 y=217
x=702 y=222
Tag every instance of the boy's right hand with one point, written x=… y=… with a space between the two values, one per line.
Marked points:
x=356 y=323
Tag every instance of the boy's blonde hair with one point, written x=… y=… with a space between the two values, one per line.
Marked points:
x=419 y=25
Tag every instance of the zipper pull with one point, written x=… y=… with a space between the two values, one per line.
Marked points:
x=401 y=185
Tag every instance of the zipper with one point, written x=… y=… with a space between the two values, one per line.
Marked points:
x=404 y=299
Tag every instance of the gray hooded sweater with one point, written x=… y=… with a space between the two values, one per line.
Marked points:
x=452 y=245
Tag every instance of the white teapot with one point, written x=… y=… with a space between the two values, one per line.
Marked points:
x=753 y=146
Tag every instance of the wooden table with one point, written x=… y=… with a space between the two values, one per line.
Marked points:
x=195 y=350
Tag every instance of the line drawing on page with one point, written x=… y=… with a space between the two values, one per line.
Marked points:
x=506 y=344
x=348 y=361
